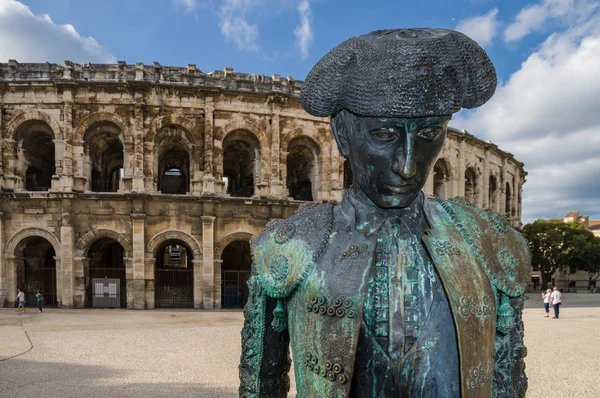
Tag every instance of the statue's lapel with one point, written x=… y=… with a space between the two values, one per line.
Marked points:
x=471 y=298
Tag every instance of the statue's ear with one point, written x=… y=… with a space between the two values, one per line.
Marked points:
x=341 y=125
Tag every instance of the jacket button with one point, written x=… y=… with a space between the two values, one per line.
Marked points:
x=328 y=365
x=337 y=303
x=342 y=379
x=321 y=300
x=347 y=303
x=313 y=300
x=330 y=376
x=337 y=368
x=315 y=308
x=323 y=372
x=340 y=312
x=350 y=314
x=322 y=310
x=331 y=311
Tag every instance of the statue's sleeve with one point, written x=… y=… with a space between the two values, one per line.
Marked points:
x=265 y=361
x=510 y=351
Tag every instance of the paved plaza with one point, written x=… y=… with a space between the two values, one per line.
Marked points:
x=120 y=353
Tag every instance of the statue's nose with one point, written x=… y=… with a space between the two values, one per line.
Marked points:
x=404 y=159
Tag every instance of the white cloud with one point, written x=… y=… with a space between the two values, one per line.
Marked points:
x=187 y=5
x=536 y=17
x=482 y=28
x=546 y=114
x=36 y=38
x=235 y=26
x=303 y=32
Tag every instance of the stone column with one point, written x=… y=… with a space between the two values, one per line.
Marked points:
x=3 y=284
x=276 y=188
x=337 y=185
x=197 y=264
x=137 y=184
x=79 y=266
x=11 y=279
x=66 y=175
x=486 y=179
x=208 y=276
x=67 y=244
x=461 y=169
x=428 y=187
x=150 y=264
x=324 y=192
x=218 y=283
x=208 y=180
x=137 y=286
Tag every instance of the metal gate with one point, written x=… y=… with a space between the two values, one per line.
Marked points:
x=234 y=289
x=174 y=288
x=106 y=293
x=110 y=273
x=40 y=278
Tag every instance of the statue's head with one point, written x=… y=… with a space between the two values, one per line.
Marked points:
x=391 y=94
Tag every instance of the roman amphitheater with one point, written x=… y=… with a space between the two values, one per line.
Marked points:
x=140 y=186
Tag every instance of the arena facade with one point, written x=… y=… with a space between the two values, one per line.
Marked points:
x=140 y=186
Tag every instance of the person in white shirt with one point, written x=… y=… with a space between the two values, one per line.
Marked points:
x=556 y=298
x=546 y=297
x=21 y=298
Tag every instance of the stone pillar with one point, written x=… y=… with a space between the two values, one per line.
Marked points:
x=337 y=185
x=276 y=188
x=208 y=276
x=137 y=184
x=150 y=264
x=67 y=246
x=428 y=187
x=11 y=279
x=137 y=286
x=197 y=264
x=128 y=164
x=79 y=285
x=3 y=284
x=461 y=169
x=486 y=179
x=208 y=180
x=66 y=167
x=325 y=177
x=218 y=283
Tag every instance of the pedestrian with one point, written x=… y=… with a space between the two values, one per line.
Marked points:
x=546 y=297
x=556 y=298
x=40 y=300
x=21 y=298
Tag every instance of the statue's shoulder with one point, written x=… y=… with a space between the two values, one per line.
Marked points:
x=501 y=249
x=285 y=252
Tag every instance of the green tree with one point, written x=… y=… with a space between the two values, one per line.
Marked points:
x=588 y=260
x=555 y=244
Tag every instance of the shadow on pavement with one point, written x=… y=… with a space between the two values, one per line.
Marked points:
x=26 y=378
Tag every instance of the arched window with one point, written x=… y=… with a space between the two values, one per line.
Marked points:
x=302 y=171
x=105 y=153
x=241 y=163
x=441 y=178
x=492 y=193
x=507 y=207
x=173 y=164
x=174 y=275
x=35 y=140
x=235 y=272
x=471 y=188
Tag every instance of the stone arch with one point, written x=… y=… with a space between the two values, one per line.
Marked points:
x=442 y=178
x=300 y=132
x=172 y=234
x=17 y=238
x=232 y=237
x=99 y=117
x=248 y=125
x=84 y=243
x=33 y=115
x=187 y=125
x=472 y=184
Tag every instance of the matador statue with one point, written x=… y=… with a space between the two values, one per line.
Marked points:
x=389 y=293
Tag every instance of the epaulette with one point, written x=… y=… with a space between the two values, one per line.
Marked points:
x=501 y=249
x=284 y=253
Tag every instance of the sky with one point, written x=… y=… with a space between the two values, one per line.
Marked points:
x=546 y=53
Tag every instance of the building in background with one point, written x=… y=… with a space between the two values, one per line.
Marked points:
x=141 y=186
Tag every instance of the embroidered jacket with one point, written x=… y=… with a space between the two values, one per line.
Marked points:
x=308 y=287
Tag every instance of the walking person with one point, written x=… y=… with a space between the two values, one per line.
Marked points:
x=556 y=298
x=546 y=296
x=40 y=299
x=21 y=298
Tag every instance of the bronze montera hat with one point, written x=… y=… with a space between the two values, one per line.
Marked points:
x=401 y=73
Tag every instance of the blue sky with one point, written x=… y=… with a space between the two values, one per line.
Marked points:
x=546 y=53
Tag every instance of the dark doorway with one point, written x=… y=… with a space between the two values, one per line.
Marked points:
x=235 y=272
x=106 y=261
x=36 y=269
x=174 y=276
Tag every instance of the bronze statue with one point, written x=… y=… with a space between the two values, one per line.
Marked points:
x=389 y=294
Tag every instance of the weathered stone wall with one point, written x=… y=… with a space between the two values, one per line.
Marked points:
x=133 y=115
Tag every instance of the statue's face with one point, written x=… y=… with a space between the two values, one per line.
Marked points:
x=390 y=157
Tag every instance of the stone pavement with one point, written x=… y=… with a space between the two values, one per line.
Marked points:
x=119 y=353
